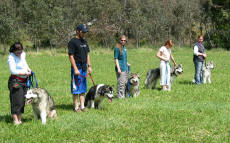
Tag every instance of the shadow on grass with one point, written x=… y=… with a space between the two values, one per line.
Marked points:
x=6 y=118
x=186 y=82
x=65 y=106
x=157 y=88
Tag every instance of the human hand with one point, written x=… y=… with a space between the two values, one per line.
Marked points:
x=89 y=70
x=76 y=72
x=204 y=55
x=28 y=72
x=119 y=71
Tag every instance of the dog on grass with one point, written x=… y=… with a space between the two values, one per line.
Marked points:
x=154 y=74
x=42 y=104
x=132 y=86
x=96 y=95
x=206 y=72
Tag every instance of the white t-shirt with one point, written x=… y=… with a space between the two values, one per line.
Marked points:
x=17 y=65
x=166 y=52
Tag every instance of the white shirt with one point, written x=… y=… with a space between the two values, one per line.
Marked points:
x=195 y=50
x=18 y=65
x=166 y=52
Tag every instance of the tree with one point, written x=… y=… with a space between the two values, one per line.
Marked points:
x=7 y=24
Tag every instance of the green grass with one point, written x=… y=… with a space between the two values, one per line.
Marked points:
x=188 y=113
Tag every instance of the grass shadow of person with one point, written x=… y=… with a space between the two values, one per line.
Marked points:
x=65 y=106
x=186 y=82
x=6 y=118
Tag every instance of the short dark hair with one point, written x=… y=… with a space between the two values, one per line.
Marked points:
x=15 y=47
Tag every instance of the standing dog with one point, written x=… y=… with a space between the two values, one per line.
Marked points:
x=132 y=86
x=154 y=74
x=206 y=72
x=42 y=103
x=96 y=95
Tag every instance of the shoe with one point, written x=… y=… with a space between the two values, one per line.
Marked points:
x=77 y=110
x=84 y=109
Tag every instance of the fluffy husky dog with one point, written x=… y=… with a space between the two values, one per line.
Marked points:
x=42 y=103
x=154 y=74
x=206 y=72
x=96 y=95
x=133 y=85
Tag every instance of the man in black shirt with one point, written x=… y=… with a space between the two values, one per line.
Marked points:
x=78 y=51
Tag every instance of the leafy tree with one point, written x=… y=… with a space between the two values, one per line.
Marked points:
x=7 y=24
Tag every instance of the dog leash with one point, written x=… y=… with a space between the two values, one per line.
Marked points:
x=129 y=82
x=31 y=80
x=92 y=79
x=86 y=77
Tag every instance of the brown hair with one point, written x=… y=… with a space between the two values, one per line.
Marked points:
x=119 y=42
x=169 y=43
x=200 y=36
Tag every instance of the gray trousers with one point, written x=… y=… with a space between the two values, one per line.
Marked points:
x=122 y=79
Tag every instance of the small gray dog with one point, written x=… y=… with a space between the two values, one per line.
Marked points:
x=154 y=74
x=132 y=87
x=206 y=72
x=42 y=103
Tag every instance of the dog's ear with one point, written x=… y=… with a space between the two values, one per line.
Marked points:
x=111 y=88
x=138 y=75
x=36 y=91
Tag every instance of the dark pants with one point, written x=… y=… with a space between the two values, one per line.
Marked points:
x=17 y=93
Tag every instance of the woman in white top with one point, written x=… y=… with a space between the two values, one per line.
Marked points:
x=164 y=54
x=17 y=82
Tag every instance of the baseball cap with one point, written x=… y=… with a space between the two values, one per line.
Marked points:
x=82 y=28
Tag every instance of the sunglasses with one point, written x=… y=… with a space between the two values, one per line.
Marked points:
x=123 y=40
x=18 y=52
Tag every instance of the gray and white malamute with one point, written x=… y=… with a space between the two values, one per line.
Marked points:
x=132 y=86
x=154 y=74
x=42 y=104
x=206 y=72
x=97 y=94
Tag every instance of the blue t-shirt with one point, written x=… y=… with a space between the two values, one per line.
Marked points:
x=122 y=59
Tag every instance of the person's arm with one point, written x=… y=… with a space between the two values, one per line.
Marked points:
x=197 y=53
x=159 y=55
x=27 y=67
x=89 y=65
x=116 y=56
x=12 y=67
x=118 y=66
x=73 y=63
x=171 y=56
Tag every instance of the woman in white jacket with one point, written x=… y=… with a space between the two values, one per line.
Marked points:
x=17 y=82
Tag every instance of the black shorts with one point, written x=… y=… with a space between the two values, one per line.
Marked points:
x=17 y=93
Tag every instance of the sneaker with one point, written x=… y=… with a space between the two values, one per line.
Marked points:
x=84 y=109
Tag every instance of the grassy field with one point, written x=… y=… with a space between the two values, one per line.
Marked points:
x=189 y=113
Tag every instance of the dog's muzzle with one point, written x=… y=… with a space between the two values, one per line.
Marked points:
x=28 y=101
x=110 y=99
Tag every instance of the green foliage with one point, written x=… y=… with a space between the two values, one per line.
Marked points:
x=189 y=113
x=220 y=16
x=53 y=22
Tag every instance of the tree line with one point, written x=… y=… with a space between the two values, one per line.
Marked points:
x=51 y=23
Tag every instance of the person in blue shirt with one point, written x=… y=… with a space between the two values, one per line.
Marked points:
x=121 y=66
